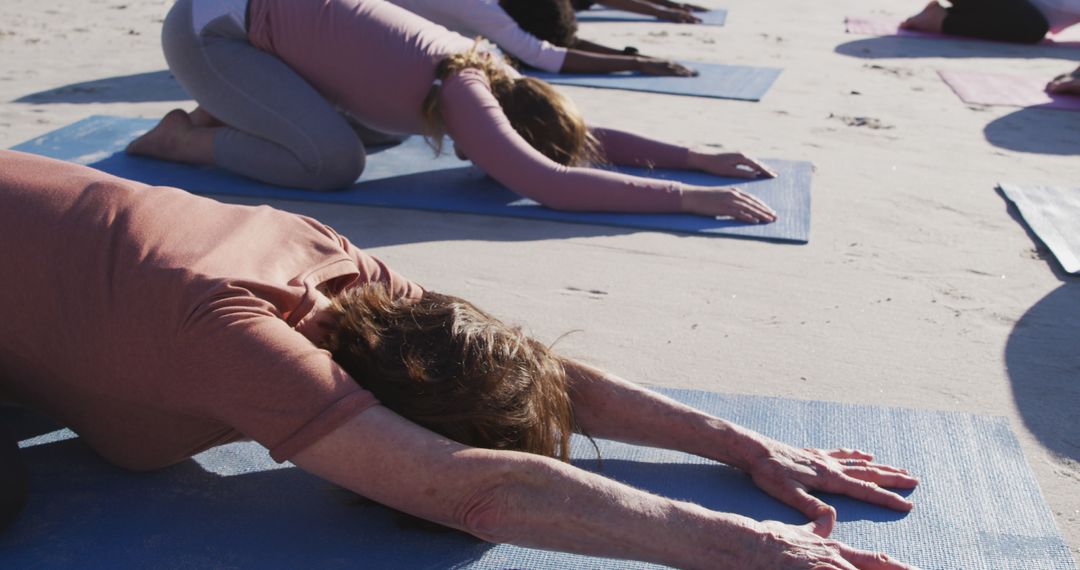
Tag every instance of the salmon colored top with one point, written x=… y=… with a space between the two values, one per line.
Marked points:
x=157 y=324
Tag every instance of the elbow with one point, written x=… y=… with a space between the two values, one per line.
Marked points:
x=488 y=512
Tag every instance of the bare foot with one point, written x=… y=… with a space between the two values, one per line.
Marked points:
x=202 y=118
x=1065 y=84
x=175 y=138
x=931 y=19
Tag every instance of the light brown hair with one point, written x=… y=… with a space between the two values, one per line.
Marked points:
x=545 y=118
x=446 y=365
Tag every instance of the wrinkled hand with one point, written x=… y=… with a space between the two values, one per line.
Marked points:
x=723 y=201
x=734 y=164
x=650 y=66
x=788 y=547
x=789 y=474
x=678 y=16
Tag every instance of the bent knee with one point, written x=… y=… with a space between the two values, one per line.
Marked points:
x=337 y=166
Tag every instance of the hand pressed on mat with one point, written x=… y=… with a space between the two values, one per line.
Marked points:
x=722 y=201
x=798 y=548
x=789 y=474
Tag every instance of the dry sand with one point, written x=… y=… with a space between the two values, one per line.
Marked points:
x=918 y=288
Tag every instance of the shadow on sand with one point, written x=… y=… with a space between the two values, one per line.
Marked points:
x=1042 y=357
x=909 y=47
x=1034 y=130
x=137 y=88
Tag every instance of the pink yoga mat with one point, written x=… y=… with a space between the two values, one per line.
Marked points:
x=889 y=27
x=1011 y=90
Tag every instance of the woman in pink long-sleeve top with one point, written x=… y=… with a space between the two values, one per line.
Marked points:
x=272 y=77
x=157 y=324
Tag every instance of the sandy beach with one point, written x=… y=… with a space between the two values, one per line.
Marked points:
x=919 y=287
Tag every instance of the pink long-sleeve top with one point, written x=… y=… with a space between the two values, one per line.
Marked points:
x=378 y=61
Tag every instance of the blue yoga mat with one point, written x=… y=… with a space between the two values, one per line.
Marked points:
x=978 y=506
x=407 y=176
x=715 y=17
x=1053 y=214
x=714 y=81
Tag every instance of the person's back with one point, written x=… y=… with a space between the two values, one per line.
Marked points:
x=156 y=323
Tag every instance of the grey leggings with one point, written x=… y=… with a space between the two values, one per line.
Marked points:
x=280 y=130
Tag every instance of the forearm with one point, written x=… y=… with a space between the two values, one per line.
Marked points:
x=586 y=45
x=556 y=506
x=630 y=149
x=609 y=407
x=578 y=61
x=522 y=499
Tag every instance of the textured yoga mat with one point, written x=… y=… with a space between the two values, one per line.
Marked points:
x=407 y=176
x=978 y=506
x=714 y=81
x=887 y=27
x=1053 y=214
x=1010 y=90
x=715 y=17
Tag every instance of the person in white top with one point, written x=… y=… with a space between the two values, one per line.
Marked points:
x=540 y=34
x=1019 y=21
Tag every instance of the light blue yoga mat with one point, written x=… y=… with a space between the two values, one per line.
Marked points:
x=715 y=17
x=1053 y=214
x=407 y=176
x=714 y=81
x=978 y=506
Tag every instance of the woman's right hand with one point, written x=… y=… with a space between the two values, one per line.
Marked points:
x=789 y=547
x=726 y=201
x=651 y=66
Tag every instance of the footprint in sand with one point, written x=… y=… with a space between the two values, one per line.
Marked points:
x=868 y=122
x=590 y=293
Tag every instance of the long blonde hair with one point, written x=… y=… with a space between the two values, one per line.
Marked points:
x=545 y=118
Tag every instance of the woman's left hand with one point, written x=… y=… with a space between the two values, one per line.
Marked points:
x=789 y=474
x=734 y=164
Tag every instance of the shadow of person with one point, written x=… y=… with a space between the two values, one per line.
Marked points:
x=882 y=47
x=1042 y=357
x=1037 y=131
x=136 y=88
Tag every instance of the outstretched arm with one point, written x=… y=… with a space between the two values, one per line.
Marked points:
x=537 y=502
x=586 y=45
x=483 y=133
x=578 y=61
x=609 y=407
x=654 y=9
x=679 y=5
